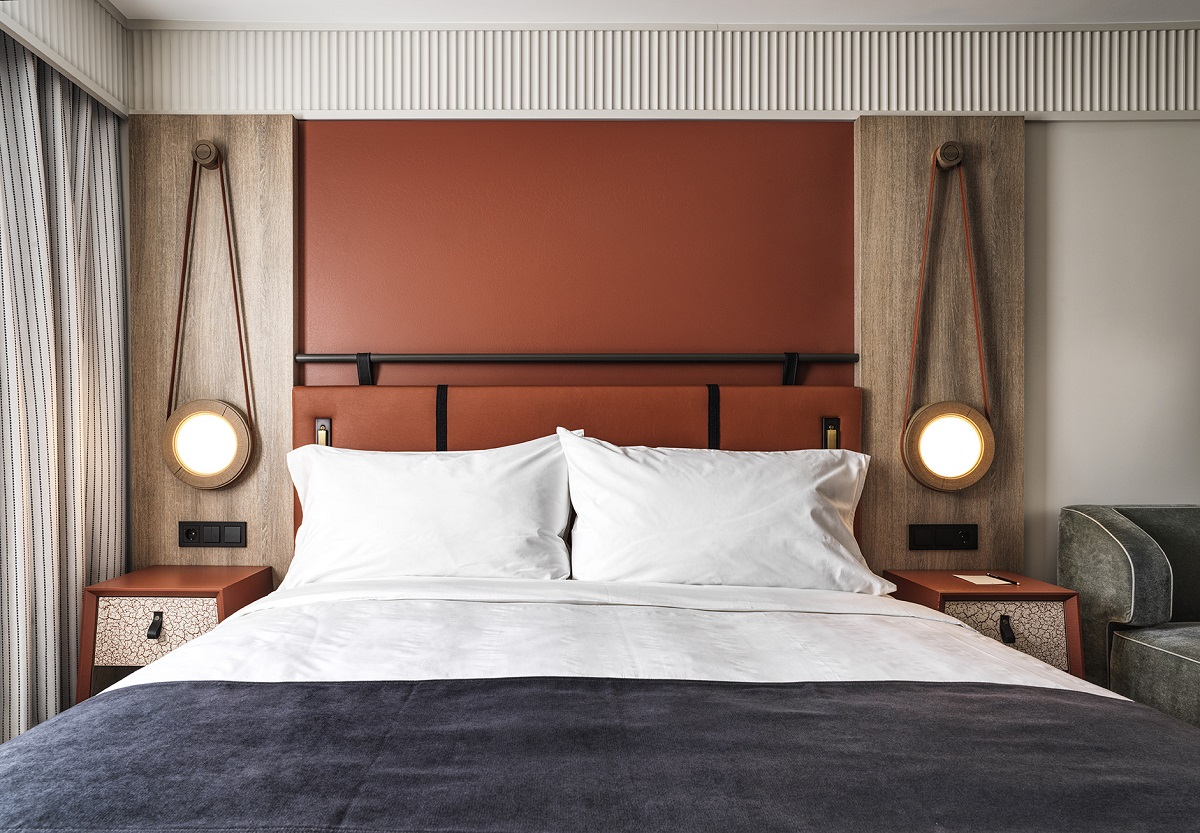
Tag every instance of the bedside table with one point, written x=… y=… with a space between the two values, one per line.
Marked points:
x=141 y=616
x=1035 y=617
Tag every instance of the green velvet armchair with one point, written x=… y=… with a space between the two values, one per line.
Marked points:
x=1137 y=570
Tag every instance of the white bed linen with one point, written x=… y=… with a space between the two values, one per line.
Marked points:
x=440 y=628
x=708 y=516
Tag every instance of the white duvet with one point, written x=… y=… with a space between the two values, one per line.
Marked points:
x=438 y=628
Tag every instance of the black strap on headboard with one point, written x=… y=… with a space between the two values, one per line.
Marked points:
x=714 y=416
x=443 y=395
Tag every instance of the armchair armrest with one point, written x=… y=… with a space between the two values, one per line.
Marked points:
x=1121 y=573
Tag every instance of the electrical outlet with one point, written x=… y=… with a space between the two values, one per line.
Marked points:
x=212 y=533
x=943 y=536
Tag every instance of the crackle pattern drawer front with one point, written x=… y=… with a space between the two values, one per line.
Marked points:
x=121 y=623
x=1040 y=627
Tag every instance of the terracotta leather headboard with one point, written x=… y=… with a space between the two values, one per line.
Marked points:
x=400 y=418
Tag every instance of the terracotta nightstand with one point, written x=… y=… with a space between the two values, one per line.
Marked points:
x=1035 y=617
x=141 y=616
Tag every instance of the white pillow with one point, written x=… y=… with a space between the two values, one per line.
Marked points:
x=495 y=513
x=695 y=516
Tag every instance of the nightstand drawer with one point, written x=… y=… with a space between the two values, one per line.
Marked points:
x=1040 y=627
x=122 y=621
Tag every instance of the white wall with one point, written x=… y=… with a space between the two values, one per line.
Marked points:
x=1112 y=333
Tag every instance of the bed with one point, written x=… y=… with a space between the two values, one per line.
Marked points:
x=353 y=702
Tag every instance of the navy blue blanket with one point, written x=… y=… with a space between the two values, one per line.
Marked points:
x=535 y=755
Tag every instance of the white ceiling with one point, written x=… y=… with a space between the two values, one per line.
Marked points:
x=668 y=12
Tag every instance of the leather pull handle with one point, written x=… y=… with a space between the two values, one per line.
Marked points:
x=1006 y=632
x=155 y=629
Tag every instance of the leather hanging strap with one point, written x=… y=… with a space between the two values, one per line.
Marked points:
x=183 y=272
x=188 y=234
x=912 y=359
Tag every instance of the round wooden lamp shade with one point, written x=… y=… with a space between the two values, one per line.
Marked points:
x=948 y=446
x=206 y=443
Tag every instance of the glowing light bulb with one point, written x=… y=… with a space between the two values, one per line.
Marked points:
x=205 y=443
x=950 y=446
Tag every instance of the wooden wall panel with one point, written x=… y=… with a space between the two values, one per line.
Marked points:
x=259 y=152
x=892 y=159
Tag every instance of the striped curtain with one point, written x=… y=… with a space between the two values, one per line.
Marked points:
x=62 y=377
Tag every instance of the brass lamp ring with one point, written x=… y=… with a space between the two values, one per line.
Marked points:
x=921 y=471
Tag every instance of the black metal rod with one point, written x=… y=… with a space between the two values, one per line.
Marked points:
x=578 y=358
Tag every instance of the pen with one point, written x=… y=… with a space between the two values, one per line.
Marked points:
x=1002 y=578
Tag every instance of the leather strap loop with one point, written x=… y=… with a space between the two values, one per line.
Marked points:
x=363 y=362
x=188 y=234
x=912 y=359
x=791 y=366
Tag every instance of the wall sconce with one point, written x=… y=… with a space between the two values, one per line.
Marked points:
x=947 y=446
x=206 y=442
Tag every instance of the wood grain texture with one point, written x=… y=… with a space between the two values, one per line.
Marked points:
x=892 y=161
x=259 y=153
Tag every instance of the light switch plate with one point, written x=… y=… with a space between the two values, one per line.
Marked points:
x=943 y=536
x=212 y=533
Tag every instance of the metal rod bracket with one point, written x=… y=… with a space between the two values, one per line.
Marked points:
x=363 y=360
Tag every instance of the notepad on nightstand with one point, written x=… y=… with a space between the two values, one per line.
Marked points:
x=983 y=579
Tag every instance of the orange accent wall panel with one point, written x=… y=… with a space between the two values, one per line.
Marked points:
x=576 y=236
